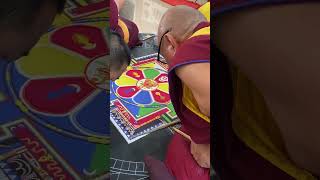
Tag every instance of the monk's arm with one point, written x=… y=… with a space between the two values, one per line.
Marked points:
x=278 y=48
x=197 y=77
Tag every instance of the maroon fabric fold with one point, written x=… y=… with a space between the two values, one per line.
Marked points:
x=132 y=27
x=113 y=15
x=133 y=32
x=193 y=50
x=180 y=161
x=157 y=169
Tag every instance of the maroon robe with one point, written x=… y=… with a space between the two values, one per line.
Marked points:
x=115 y=25
x=179 y=159
x=193 y=50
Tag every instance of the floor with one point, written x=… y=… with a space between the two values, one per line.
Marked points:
x=145 y=13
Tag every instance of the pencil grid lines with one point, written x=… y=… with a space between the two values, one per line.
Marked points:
x=126 y=168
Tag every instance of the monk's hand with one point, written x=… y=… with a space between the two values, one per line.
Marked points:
x=201 y=153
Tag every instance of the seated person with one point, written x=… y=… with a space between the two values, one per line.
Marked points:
x=267 y=62
x=127 y=29
x=185 y=44
x=120 y=27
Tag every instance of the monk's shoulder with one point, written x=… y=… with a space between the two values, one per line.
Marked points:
x=194 y=49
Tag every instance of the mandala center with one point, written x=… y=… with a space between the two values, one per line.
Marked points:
x=147 y=84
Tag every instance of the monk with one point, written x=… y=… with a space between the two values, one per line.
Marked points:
x=128 y=30
x=267 y=58
x=124 y=35
x=184 y=41
x=22 y=23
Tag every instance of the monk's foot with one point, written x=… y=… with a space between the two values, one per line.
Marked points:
x=157 y=169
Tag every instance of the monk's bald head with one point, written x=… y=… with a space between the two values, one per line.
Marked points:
x=181 y=21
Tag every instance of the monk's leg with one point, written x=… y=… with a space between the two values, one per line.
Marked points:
x=180 y=162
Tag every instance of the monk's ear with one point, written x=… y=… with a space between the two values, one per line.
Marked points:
x=172 y=44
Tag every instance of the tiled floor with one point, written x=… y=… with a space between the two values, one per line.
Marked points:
x=145 y=13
